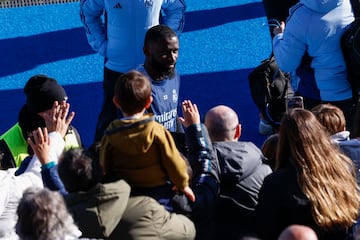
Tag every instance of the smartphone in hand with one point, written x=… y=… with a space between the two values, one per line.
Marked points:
x=294 y=102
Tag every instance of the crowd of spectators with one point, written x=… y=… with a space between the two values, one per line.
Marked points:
x=156 y=171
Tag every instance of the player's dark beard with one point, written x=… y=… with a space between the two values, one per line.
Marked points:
x=163 y=71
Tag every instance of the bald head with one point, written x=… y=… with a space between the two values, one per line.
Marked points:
x=223 y=124
x=298 y=232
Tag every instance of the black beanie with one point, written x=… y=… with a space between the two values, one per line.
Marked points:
x=41 y=93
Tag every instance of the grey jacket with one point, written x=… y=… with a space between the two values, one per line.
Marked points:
x=107 y=211
x=242 y=171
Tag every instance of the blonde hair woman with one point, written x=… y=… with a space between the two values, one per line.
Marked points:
x=313 y=183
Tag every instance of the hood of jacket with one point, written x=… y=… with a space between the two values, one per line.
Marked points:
x=138 y=135
x=98 y=211
x=340 y=136
x=321 y=6
x=242 y=172
x=237 y=159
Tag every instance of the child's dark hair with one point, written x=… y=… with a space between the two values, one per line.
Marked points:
x=79 y=170
x=132 y=91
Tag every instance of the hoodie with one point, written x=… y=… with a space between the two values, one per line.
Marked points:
x=242 y=172
x=143 y=152
x=316 y=27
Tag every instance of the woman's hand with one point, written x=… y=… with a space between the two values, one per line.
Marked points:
x=279 y=29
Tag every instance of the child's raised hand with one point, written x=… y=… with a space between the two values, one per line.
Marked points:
x=190 y=114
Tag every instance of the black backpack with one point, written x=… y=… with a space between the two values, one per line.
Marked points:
x=269 y=87
x=350 y=45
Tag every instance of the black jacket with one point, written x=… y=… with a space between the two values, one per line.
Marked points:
x=205 y=182
x=281 y=203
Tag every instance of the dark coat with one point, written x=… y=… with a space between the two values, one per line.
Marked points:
x=281 y=203
x=205 y=183
x=241 y=172
x=106 y=211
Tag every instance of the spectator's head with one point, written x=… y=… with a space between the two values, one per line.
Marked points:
x=132 y=93
x=79 y=170
x=41 y=93
x=161 y=49
x=298 y=232
x=223 y=124
x=269 y=148
x=42 y=214
x=331 y=117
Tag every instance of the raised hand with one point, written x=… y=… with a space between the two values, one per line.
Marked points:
x=40 y=144
x=190 y=114
x=58 y=118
